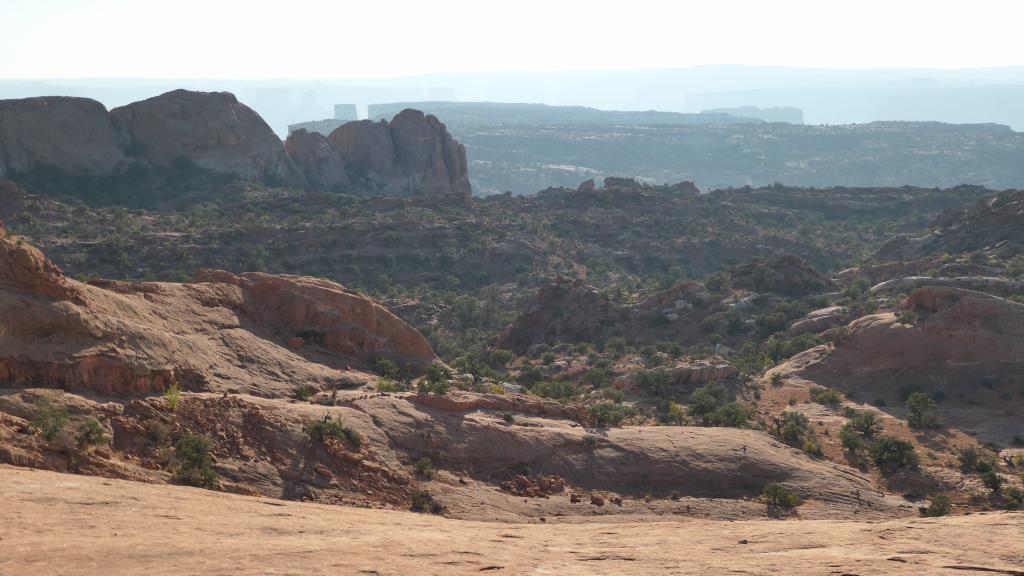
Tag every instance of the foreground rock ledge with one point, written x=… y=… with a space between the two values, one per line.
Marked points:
x=53 y=523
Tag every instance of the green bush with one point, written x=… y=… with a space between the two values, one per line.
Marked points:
x=865 y=423
x=435 y=382
x=920 y=411
x=556 y=390
x=424 y=468
x=707 y=399
x=303 y=393
x=777 y=495
x=548 y=358
x=792 y=427
x=730 y=415
x=90 y=433
x=991 y=480
x=389 y=385
x=49 y=419
x=609 y=414
x=939 y=505
x=194 y=463
x=892 y=454
x=422 y=501
x=329 y=427
x=658 y=382
x=825 y=396
x=173 y=396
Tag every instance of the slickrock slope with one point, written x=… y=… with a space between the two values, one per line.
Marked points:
x=253 y=333
x=57 y=132
x=962 y=345
x=213 y=130
x=53 y=523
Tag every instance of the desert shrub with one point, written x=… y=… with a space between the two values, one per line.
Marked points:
x=672 y=349
x=907 y=318
x=811 y=446
x=303 y=393
x=671 y=412
x=707 y=399
x=389 y=385
x=194 y=463
x=776 y=379
x=500 y=357
x=597 y=377
x=614 y=394
x=892 y=454
x=329 y=427
x=969 y=459
x=792 y=427
x=548 y=358
x=435 y=382
x=615 y=345
x=157 y=432
x=607 y=414
x=49 y=419
x=718 y=281
x=865 y=423
x=1013 y=499
x=556 y=390
x=424 y=468
x=732 y=415
x=422 y=501
x=658 y=382
x=939 y=505
x=825 y=396
x=990 y=478
x=777 y=495
x=920 y=410
x=173 y=396
x=850 y=438
x=90 y=433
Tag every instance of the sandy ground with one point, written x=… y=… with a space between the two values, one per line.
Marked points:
x=62 y=524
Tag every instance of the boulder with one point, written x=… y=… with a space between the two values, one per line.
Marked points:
x=819 y=321
x=69 y=134
x=213 y=130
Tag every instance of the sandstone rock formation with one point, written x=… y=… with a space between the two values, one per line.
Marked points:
x=985 y=224
x=223 y=332
x=318 y=160
x=71 y=134
x=819 y=321
x=569 y=310
x=995 y=286
x=213 y=130
x=786 y=274
x=955 y=335
x=413 y=154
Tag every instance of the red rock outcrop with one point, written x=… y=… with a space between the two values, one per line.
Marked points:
x=224 y=332
x=211 y=129
x=70 y=134
x=952 y=338
x=413 y=154
x=327 y=314
x=322 y=166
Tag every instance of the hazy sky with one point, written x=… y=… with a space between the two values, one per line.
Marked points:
x=379 y=38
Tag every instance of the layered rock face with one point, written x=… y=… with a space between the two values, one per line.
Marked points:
x=74 y=134
x=413 y=154
x=252 y=333
x=318 y=160
x=953 y=337
x=211 y=129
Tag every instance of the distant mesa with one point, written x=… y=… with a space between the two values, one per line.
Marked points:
x=71 y=139
x=345 y=112
x=786 y=114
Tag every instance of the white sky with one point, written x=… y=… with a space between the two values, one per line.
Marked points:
x=382 y=38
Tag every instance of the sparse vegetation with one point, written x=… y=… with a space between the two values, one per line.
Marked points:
x=921 y=411
x=422 y=501
x=172 y=394
x=194 y=464
x=778 y=495
x=90 y=434
x=49 y=419
x=892 y=454
x=330 y=427
x=939 y=505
